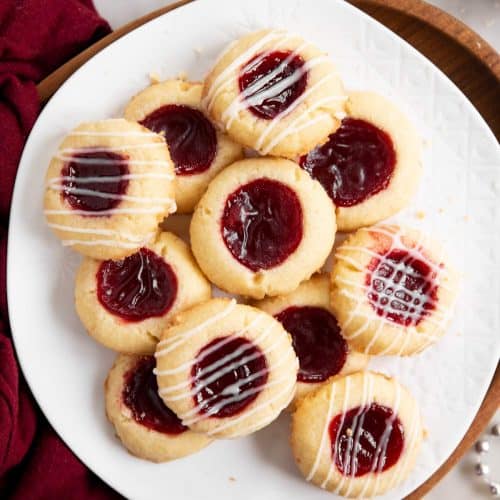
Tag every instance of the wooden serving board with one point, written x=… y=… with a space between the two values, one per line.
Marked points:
x=470 y=62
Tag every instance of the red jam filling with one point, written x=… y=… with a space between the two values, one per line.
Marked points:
x=271 y=82
x=140 y=395
x=138 y=287
x=316 y=338
x=262 y=223
x=191 y=138
x=355 y=163
x=366 y=439
x=401 y=287
x=228 y=374
x=93 y=180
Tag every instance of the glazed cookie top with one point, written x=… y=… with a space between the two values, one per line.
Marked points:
x=108 y=186
x=226 y=369
x=370 y=166
x=173 y=109
x=274 y=92
x=262 y=227
x=393 y=290
x=357 y=436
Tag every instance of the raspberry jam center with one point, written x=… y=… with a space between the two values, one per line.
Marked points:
x=138 y=287
x=355 y=163
x=262 y=223
x=401 y=287
x=140 y=395
x=366 y=439
x=271 y=82
x=316 y=338
x=228 y=374
x=191 y=138
x=94 y=181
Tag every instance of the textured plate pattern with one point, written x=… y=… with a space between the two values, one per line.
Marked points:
x=458 y=198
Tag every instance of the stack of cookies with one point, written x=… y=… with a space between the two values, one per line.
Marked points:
x=271 y=156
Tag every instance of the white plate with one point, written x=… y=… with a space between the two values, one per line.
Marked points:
x=459 y=195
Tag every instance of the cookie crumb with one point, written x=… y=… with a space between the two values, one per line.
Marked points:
x=154 y=77
x=420 y=214
x=441 y=210
x=349 y=432
x=232 y=479
x=466 y=218
x=425 y=433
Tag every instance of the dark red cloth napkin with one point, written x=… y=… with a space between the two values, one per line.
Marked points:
x=36 y=36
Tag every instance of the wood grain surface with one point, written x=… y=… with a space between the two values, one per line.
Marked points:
x=469 y=61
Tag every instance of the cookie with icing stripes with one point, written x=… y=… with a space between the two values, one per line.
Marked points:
x=308 y=317
x=358 y=436
x=275 y=92
x=262 y=227
x=393 y=290
x=226 y=369
x=371 y=165
x=145 y=426
x=199 y=151
x=126 y=304
x=107 y=187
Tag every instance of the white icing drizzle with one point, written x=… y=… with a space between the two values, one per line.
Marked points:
x=111 y=134
x=157 y=204
x=108 y=161
x=324 y=434
x=111 y=211
x=255 y=93
x=110 y=196
x=437 y=316
x=255 y=409
x=220 y=367
x=178 y=339
x=367 y=398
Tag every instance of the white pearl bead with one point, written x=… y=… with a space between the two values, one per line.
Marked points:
x=481 y=469
x=482 y=446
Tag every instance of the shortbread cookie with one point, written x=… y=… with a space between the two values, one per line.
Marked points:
x=276 y=93
x=226 y=369
x=262 y=227
x=307 y=316
x=198 y=150
x=393 y=290
x=358 y=436
x=108 y=186
x=370 y=166
x=146 y=427
x=126 y=304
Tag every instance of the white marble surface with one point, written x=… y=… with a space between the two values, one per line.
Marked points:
x=484 y=17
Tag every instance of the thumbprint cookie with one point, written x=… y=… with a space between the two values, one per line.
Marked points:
x=358 y=436
x=226 y=369
x=197 y=149
x=145 y=426
x=370 y=166
x=126 y=304
x=307 y=316
x=393 y=290
x=276 y=93
x=108 y=186
x=262 y=227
